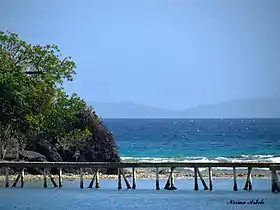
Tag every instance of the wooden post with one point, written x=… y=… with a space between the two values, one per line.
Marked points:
x=133 y=178
x=273 y=189
x=81 y=178
x=157 y=179
x=92 y=180
x=6 y=177
x=170 y=181
x=119 y=179
x=210 y=179
x=195 y=179
x=52 y=180
x=250 y=180
x=45 y=178
x=202 y=180
x=277 y=184
x=274 y=181
x=248 y=183
x=22 y=178
x=16 y=181
x=97 y=186
x=167 y=184
x=234 y=180
x=125 y=180
x=172 y=187
x=60 y=178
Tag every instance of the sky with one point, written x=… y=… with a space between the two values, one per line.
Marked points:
x=165 y=53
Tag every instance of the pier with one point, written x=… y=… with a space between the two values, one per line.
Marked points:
x=170 y=182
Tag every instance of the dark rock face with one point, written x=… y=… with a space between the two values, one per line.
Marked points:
x=101 y=147
x=67 y=154
x=31 y=156
x=10 y=150
x=48 y=150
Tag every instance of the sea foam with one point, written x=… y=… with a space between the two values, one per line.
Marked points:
x=242 y=158
x=236 y=159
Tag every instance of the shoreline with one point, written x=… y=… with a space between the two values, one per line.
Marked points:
x=148 y=174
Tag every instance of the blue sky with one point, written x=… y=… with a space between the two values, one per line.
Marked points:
x=171 y=54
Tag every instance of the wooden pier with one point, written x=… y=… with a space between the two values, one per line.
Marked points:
x=170 y=183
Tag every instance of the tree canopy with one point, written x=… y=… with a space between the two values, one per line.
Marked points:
x=33 y=104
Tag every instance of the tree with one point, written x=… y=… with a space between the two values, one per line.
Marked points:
x=33 y=105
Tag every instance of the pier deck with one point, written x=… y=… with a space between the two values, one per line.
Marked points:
x=274 y=167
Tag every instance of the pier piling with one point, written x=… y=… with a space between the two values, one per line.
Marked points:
x=52 y=180
x=234 y=180
x=92 y=180
x=45 y=178
x=125 y=180
x=119 y=179
x=6 y=177
x=274 y=181
x=133 y=178
x=81 y=178
x=120 y=166
x=202 y=180
x=16 y=181
x=22 y=178
x=248 y=183
x=157 y=179
x=210 y=179
x=167 y=184
x=60 y=178
x=195 y=179
x=172 y=180
x=97 y=185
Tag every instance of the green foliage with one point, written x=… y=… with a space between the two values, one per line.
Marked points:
x=32 y=104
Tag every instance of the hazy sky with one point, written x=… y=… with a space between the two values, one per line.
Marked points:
x=173 y=54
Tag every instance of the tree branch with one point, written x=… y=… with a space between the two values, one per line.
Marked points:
x=34 y=72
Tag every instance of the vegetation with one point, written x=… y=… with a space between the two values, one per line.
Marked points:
x=33 y=104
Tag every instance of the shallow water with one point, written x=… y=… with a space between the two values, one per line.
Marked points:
x=33 y=196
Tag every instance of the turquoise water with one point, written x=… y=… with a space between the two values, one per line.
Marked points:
x=169 y=140
x=33 y=196
x=198 y=139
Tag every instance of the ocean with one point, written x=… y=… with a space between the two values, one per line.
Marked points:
x=199 y=140
x=159 y=140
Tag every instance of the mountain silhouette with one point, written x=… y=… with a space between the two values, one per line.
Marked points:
x=243 y=108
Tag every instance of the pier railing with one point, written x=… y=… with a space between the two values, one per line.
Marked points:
x=274 y=167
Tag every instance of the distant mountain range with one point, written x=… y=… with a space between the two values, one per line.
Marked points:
x=243 y=108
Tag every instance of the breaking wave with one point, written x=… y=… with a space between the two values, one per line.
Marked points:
x=239 y=159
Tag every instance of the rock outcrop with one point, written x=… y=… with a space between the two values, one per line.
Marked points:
x=31 y=156
x=101 y=147
x=48 y=150
x=9 y=150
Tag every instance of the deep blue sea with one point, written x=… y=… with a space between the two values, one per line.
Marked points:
x=169 y=140
x=197 y=139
